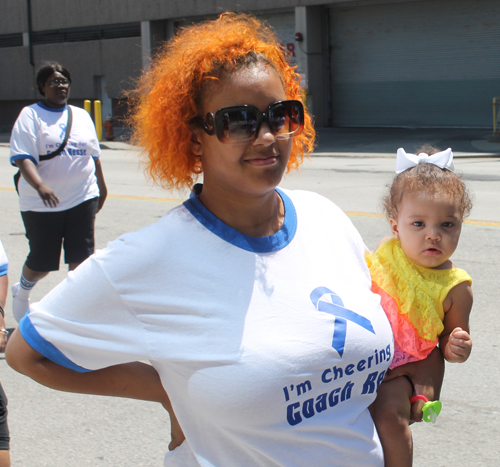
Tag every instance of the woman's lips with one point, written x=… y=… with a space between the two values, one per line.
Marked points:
x=263 y=161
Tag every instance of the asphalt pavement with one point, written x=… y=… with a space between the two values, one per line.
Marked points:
x=351 y=167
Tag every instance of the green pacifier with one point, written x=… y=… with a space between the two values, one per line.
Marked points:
x=431 y=409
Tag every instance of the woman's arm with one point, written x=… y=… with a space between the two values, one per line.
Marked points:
x=4 y=285
x=131 y=380
x=30 y=173
x=103 y=190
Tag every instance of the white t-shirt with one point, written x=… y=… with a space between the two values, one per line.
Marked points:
x=271 y=349
x=4 y=262
x=40 y=130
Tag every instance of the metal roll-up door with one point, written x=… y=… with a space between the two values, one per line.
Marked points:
x=415 y=64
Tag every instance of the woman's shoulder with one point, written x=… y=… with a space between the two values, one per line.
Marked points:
x=317 y=213
x=78 y=110
x=171 y=224
x=37 y=112
x=80 y=114
x=137 y=251
x=30 y=111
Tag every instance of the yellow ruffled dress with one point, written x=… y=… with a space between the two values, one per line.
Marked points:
x=412 y=298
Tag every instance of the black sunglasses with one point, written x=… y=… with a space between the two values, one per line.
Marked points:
x=240 y=124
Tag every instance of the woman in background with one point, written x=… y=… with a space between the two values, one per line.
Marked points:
x=60 y=192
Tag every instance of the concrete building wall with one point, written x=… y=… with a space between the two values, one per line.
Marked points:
x=120 y=60
x=16 y=76
x=13 y=16
x=90 y=12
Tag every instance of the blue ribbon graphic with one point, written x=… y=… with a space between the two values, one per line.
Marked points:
x=341 y=314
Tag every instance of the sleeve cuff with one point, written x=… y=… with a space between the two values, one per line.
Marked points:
x=22 y=156
x=37 y=342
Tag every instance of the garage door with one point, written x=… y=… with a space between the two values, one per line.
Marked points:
x=415 y=64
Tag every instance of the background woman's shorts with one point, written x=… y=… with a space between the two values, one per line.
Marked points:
x=47 y=231
x=4 y=427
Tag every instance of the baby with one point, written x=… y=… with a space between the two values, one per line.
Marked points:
x=426 y=298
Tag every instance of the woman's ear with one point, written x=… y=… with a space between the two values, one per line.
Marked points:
x=41 y=89
x=394 y=227
x=195 y=142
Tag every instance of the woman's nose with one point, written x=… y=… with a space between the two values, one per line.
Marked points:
x=265 y=136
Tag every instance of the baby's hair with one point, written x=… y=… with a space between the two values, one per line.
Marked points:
x=427 y=178
x=172 y=92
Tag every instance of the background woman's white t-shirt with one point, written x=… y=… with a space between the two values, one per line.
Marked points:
x=40 y=130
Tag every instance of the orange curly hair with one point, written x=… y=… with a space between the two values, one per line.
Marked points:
x=170 y=93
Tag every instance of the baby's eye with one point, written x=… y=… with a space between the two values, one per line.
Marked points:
x=418 y=224
x=447 y=224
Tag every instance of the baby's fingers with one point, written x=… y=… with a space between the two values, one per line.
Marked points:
x=461 y=340
x=459 y=349
x=459 y=333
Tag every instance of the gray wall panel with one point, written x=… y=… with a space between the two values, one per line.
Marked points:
x=117 y=59
x=54 y=14
x=13 y=17
x=121 y=64
x=17 y=75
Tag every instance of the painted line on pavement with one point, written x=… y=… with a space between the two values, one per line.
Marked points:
x=142 y=198
x=349 y=213
x=148 y=198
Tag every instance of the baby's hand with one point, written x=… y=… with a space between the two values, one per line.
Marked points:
x=459 y=346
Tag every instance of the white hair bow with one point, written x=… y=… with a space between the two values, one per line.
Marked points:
x=443 y=159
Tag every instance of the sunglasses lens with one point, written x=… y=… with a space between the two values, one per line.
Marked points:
x=238 y=124
x=286 y=119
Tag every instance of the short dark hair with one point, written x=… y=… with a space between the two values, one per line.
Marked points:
x=47 y=70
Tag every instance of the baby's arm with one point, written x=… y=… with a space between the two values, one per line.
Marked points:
x=455 y=341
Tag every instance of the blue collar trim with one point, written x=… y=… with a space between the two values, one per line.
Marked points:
x=254 y=244
x=50 y=109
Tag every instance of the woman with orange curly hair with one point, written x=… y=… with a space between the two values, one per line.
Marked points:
x=252 y=303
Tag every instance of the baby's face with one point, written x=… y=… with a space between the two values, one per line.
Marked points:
x=428 y=227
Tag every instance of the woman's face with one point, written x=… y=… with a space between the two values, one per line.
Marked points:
x=254 y=168
x=56 y=91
